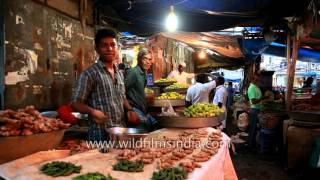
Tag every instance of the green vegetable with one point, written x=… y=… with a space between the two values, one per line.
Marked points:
x=129 y=166
x=178 y=86
x=93 y=176
x=175 y=173
x=59 y=168
x=272 y=107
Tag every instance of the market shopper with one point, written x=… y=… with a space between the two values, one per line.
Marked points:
x=220 y=98
x=180 y=75
x=199 y=92
x=231 y=92
x=135 y=82
x=100 y=90
x=307 y=87
x=308 y=83
x=255 y=97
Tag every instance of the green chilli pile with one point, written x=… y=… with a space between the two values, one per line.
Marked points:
x=175 y=173
x=59 y=168
x=128 y=166
x=93 y=176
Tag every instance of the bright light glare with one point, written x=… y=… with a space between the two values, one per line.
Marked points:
x=171 y=21
x=202 y=55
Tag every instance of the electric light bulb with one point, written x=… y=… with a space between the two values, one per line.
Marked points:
x=202 y=55
x=171 y=21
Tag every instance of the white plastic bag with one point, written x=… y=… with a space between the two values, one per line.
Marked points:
x=243 y=121
x=168 y=111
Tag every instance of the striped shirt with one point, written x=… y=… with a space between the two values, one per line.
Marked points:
x=96 y=88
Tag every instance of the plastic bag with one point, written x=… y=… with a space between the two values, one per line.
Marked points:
x=168 y=111
x=243 y=121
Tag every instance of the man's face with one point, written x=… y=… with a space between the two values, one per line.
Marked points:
x=146 y=61
x=180 y=68
x=107 y=49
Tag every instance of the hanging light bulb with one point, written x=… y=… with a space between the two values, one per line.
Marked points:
x=202 y=54
x=171 y=21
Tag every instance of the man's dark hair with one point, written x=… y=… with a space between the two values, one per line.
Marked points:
x=103 y=33
x=202 y=78
x=220 y=80
x=121 y=66
x=309 y=81
x=230 y=83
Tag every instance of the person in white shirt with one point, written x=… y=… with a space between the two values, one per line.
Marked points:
x=199 y=92
x=220 y=98
x=180 y=75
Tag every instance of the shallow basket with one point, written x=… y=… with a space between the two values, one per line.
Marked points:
x=167 y=102
x=185 y=122
x=14 y=147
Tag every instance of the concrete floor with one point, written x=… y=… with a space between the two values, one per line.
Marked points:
x=251 y=165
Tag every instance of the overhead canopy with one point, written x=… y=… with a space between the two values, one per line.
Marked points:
x=224 y=49
x=146 y=17
x=221 y=44
x=215 y=61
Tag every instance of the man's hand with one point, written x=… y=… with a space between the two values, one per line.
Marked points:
x=133 y=117
x=255 y=101
x=220 y=104
x=99 y=117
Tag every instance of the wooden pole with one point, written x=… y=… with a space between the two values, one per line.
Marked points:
x=291 y=60
x=288 y=55
x=2 y=52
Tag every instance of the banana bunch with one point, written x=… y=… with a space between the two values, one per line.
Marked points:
x=171 y=95
x=178 y=86
x=202 y=110
x=165 y=80
x=148 y=90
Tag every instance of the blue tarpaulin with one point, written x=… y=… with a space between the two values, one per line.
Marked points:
x=305 y=55
x=252 y=48
x=233 y=80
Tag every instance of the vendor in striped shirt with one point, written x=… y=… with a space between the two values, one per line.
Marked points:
x=100 y=90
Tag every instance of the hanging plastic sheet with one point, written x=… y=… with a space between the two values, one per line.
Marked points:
x=252 y=48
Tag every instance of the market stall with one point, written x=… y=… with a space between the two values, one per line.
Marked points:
x=216 y=164
x=304 y=122
x=167 y=93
